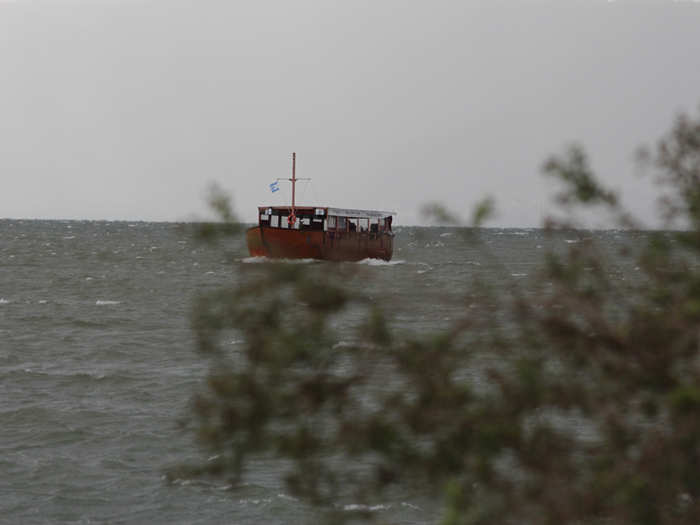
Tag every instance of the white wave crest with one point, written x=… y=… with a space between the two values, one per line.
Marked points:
x=380 y=262
x=3 y=300
x=263 y=259
x=353 y=507
x=427 y=267
x=100 y=302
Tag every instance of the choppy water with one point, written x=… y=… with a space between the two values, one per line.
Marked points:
x=97 y=361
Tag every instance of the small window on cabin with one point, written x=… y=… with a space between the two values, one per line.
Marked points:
x=331 y=223
x=342 y=224
x=306 y=221
x=274 y=221
x=363 y=224
x=297 y=224
x=284 y=222
x=264 y=217
x=352 y=224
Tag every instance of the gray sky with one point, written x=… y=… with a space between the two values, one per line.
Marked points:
x=126 y=109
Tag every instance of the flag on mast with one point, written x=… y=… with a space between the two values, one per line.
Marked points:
x=274 y=187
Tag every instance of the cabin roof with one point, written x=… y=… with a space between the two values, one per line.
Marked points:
x=349 y=212
x=339 y=212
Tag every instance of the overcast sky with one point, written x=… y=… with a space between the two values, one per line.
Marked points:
x=127 y=109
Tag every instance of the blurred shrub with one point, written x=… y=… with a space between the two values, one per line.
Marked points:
x=591 y=412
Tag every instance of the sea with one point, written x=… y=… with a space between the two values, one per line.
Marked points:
x=98 y=363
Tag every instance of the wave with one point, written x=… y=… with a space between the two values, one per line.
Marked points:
x=74 y=376
x=427 y=268
x=380 y=262
x=4 y=301
x=359 y=507
x=521 y=233
x=263 y=259
x=101 y=302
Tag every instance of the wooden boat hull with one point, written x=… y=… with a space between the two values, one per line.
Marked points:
x=332 y=246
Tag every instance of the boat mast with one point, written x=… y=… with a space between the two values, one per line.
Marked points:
x=292 y=218
x=293 y=215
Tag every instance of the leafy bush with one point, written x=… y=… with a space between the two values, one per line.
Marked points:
x=589 y=411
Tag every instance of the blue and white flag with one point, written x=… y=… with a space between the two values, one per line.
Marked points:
x=274 y=187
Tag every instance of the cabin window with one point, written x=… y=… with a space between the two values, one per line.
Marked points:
x=342 y=224
x=264 y=217
x=363 y=224
x=310 y=223
x=274 y=221
x=284 y=223
x=331 y=223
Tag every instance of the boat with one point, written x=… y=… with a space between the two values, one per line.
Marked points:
x=320 y=232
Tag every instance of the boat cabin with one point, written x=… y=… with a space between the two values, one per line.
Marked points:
x=336 y=220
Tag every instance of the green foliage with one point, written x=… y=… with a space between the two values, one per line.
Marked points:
x=439 y=214
x=587 y=410
x=580 y=184
x=226 y=226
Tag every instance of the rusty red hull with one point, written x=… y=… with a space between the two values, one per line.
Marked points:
x=332 y=246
